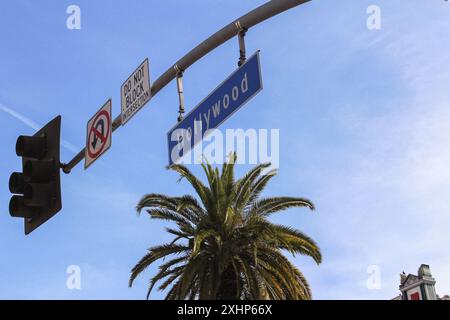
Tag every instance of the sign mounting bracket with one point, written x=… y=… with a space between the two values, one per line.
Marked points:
x=241 y=39
x=179 y=77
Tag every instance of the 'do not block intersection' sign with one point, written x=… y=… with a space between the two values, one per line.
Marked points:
x=98 y=135
x=135 y=92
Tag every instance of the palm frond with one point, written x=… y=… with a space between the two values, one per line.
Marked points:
x=224 y=246
x=154 y=254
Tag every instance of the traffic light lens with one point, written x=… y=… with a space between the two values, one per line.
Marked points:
x=16 y=182
x=33 y=147
x=14 y=205
x=20 y=145
x=17 y=208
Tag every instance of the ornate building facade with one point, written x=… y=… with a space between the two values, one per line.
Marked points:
x=418 y=287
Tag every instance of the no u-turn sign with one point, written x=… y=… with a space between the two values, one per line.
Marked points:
x=98 y=136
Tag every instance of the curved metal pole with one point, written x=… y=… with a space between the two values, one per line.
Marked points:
x=247 y=21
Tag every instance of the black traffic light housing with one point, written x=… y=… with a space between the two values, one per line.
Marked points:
x=37 y=188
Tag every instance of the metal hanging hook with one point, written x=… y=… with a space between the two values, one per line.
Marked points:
x=180 y=92
x=241 y=39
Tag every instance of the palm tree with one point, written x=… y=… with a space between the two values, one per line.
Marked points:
x=224 y=246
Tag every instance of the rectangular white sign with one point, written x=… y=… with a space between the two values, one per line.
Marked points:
x=135 y=91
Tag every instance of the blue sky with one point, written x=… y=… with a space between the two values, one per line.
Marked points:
x=364 y=133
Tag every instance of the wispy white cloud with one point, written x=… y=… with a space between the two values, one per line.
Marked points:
x=381 y=184
x=396 y=191
x=33 y=125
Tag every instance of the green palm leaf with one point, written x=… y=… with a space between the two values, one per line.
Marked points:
x=224 y=245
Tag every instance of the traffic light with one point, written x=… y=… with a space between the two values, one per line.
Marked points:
x=37 y=189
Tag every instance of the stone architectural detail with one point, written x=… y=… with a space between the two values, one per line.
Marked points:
x=417 y=287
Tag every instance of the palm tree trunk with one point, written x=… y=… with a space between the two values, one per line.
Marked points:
x=228 y=289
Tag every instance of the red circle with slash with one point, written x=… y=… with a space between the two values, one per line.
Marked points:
x=97 y=134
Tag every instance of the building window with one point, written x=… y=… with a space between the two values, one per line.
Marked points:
x=414 y=296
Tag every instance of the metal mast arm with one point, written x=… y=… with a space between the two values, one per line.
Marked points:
x=245 y=22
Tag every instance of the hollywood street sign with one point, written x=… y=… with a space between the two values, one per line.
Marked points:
x=228 y=97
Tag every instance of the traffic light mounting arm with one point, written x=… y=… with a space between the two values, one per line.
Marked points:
x=237 y=27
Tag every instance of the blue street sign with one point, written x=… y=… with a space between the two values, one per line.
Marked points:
x=220 y=104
